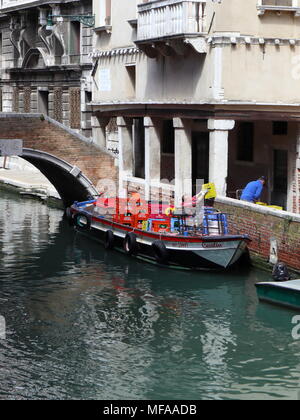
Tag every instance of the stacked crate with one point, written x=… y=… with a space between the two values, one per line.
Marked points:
x=214 y=223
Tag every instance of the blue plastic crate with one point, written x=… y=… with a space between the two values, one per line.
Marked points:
x=220 y=219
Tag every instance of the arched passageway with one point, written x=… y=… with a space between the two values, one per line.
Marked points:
x=68 y=180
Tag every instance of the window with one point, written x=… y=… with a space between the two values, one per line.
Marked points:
x=245 y=137
x=280 y=128
x=131 y=72
x=74 y=42
x=288 y=3
x=75 y=107
x=103 y=13
x=43 y=101
x=88 y=97
x=278 y=5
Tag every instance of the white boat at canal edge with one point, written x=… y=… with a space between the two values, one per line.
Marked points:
x=285 y=293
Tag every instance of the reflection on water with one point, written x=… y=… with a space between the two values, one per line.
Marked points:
x=86 y=323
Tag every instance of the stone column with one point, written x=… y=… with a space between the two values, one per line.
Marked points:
x=218 y=153
x=183 y=159
x=296 y=207
x=152 y=154
x=125 y=152
x=99 y=130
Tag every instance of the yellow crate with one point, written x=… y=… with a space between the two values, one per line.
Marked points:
x=259 y=203
x=271 y=206
x=276 y=207
x=211 y=190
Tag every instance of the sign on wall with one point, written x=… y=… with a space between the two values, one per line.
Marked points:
x=104 y=80
x=11 y=147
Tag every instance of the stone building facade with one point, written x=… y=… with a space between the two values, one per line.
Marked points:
x=201 y=89
x=45 y=62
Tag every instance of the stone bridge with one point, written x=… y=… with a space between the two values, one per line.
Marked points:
x=70 y=161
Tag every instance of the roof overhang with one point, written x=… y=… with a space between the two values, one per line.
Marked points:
x=205 y=110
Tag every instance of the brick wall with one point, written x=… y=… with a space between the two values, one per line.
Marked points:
x=262 y=225
x=44 y=134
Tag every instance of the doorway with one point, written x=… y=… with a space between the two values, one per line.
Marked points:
x=200 y=158
x=280 y=178
x=139 y=148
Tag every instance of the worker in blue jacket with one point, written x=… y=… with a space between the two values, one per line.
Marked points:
x=253 y=190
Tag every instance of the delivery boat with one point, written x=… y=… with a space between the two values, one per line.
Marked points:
x=156 y=233
x=285 y=293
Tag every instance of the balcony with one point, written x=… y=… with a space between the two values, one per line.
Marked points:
x=278 y=6
x=169 y=24
x=12 y=5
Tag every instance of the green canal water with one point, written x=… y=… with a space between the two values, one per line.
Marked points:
x=83 y=323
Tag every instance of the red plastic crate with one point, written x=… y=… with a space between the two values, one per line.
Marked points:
x=160 y=226
x=139 y=219
x=157 y=216
x=125 y=218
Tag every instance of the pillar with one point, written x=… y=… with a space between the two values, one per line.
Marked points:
x=125 y=152
x=99 y=130
x=218 y=153
x=152 y=154
x=183 y=159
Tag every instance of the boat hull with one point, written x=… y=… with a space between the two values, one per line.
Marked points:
x=282 y=293
x=200 y=253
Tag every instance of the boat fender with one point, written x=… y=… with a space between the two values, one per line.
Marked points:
x=69 y=216
x=281 y=272
x=169 y=210
x=82 y=221
x=130 y=244
x=109 y=240
x=160 y=252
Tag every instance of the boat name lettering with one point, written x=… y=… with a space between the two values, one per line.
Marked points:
x=212 y=245
x=181 y=245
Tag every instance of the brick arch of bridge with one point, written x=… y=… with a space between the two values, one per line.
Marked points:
x=71 y=162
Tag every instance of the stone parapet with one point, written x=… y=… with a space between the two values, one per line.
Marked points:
x=275 y=234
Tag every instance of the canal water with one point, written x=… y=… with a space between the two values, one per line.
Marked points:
x=83 y=323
